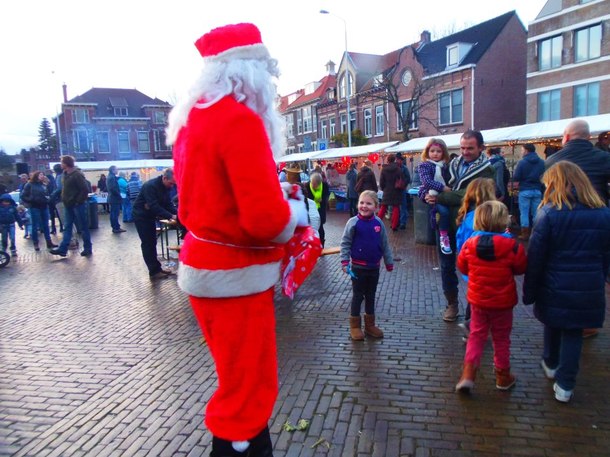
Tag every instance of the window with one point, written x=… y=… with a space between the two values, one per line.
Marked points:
x=368 y=122
x=549 y=53
x=379 y=124
x=451 y=106
x=453 y=54
x=404 y=110
x=307 y=125
x=588 y=43
x=299 y=122
x=586 y=100
x=352 y=121
x=323 y=129
x=160 y=117
x=80 y=116
x=160 y=144
x=103 y=142
x=549 y=104
x=121 y=111
x=343 y=85
x=123 y=138
x=143 y=141
x=333 y=128
x=290 y=125
x=80 y=140
x=343 y=123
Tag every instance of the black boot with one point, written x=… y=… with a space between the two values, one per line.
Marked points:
x=224 y=448
x=260 y=445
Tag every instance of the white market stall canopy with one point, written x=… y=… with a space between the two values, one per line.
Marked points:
x=123 y=164
x=354 y=151
x=296 y=157
x=510 y=135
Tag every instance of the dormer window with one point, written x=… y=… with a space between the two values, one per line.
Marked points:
x=378 y=80
x=456 y=53
x=343 y=87
x=120 y=112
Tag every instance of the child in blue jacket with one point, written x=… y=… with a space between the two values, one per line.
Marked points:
x=8 y=217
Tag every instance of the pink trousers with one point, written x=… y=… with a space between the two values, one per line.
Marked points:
x=500 y=322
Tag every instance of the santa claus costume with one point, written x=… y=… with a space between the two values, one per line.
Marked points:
x=238 y=220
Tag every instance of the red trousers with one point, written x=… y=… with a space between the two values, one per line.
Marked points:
x=500 y=322
x=395 y=214
x=240 y=332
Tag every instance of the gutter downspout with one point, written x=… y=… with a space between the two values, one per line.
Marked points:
x=472 y=99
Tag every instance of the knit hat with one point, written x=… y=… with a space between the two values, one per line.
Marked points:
x=236 y=41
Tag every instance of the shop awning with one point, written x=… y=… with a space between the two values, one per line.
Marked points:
x=354 y=151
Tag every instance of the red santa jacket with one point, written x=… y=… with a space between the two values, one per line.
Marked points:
x=491 y=261
x=230 y=200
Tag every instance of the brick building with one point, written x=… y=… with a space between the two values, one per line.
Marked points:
x=474 y=78
x=568 y=60
x=113 y=124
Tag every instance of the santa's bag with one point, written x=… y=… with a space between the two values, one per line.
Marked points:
x=302 y=252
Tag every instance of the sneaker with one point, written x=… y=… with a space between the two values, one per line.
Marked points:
x=86 y=253
x=13 y=252
x=465 y=327
x=120 y=230
x=562 y=395
x=56 y=251
x=548 y=372
x=159 y=275
x=589 y=333
x=167 y=272
x=445 y=245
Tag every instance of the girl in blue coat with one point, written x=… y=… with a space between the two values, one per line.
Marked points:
x=569 y=256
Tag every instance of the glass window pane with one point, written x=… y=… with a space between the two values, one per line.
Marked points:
x=582 y=46
x=544 y=55
x=593 y=99
x=580 y=100
x=557 y=43
x=555 y=105
x=595 y=41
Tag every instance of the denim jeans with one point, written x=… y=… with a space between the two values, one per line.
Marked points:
x=40 y=220
x=528 y=205
x=127 y=210
x=447 y=261
x=7 y=233
x=76 y=214
x=115 y=210
x=562 y=349
x=404 y=213
x=353 y=207
x=443 y=217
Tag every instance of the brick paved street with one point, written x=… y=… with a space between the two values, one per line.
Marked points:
x=98 y=361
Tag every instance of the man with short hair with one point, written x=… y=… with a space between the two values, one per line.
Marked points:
x=114 y=199
x=470 y=165
x=74 y=193
x=154 y=203
x=577 y=148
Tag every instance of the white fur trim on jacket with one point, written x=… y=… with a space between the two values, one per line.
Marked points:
x=288 y=231
x=228 y=283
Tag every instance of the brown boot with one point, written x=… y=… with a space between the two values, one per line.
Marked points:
x=525 y=233
x=452 y=311
x=370 y=328
x=355 y=330
x=466 y=383
x=504 y=379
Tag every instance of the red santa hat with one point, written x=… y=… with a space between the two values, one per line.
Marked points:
x=235 y=41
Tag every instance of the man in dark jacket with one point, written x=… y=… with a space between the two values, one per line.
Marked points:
x=578 y=149
x=406 y=176
x=464 y=169
x=153 y=203
x=528 y=173
x=114 y=199
x=74 y=193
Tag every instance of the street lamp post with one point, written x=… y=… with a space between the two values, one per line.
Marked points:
x=347 y=75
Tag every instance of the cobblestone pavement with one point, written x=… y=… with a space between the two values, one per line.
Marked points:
x=98 y=361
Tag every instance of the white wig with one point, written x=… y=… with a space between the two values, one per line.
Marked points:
x=250 y=81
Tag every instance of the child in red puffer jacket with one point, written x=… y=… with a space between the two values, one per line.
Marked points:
x=491 y=258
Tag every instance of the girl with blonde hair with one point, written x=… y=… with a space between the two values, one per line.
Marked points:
x=491 y=258
x=569 y=257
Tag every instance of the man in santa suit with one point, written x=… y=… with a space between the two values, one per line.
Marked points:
x=238 y=220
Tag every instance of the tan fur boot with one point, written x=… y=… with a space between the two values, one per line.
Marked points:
x=466 y=383
x=452 y=311
x=355 y=328
x=525 y=233
x=504 y=379
x=369 y=326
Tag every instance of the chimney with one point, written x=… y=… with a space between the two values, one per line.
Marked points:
x=330 y=68
x=65 y=89
x=424 y=37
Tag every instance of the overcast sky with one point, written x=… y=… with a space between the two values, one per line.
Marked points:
x=148 y=44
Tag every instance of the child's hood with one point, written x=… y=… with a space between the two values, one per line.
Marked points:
x=492 y=246
x=7 y=198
